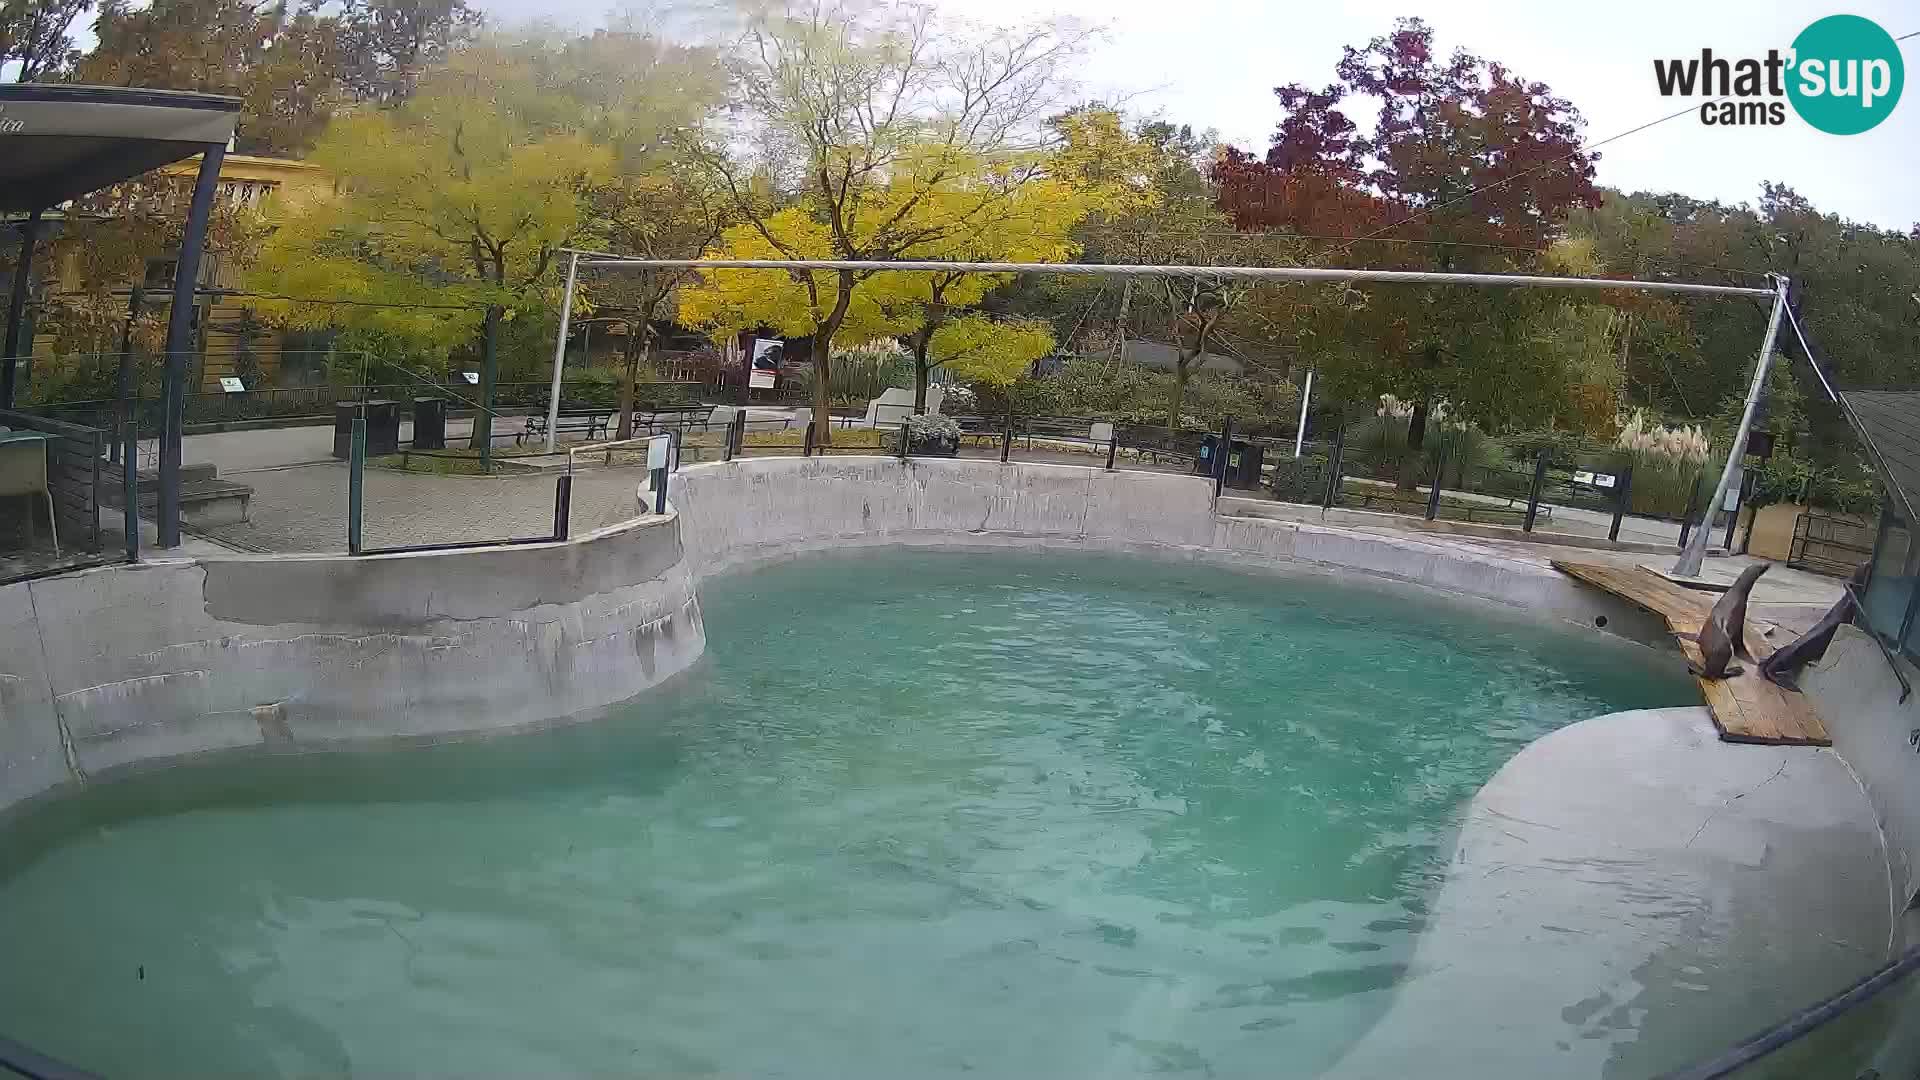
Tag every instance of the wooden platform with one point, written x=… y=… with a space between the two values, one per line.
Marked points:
x=1746 y=708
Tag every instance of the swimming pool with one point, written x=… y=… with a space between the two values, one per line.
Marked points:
x=917 y=813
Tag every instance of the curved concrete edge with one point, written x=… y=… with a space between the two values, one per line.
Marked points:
x=750 y=511
x=106 y=668
x=1858 y=696
x=1629 y=895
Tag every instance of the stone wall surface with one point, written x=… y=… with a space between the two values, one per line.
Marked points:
x=166 y=659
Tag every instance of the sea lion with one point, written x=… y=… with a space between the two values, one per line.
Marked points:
x=1722 y=639
x=1781 y=669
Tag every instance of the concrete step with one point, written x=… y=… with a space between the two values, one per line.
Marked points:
x=149 y=480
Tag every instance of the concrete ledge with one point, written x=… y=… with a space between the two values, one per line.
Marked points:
x=106 y=668
x=1628 y=896
x=754 y=510
x=1859 y=698
x=1373 y=518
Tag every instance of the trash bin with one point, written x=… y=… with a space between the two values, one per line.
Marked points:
x=1203 y=462
x=343 y=414
x=1243 y=466
x=383 y=427
x=1243 y=462
x=429 y=423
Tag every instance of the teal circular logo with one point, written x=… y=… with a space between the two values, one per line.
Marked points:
x=1846 y=74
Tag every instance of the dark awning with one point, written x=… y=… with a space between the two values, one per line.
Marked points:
x=1890 y=423
x=60 y=142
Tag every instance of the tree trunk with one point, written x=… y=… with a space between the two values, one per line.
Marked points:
x=822 y=395
x=922 y=342
x=921 y=370
x=823 y=359
x=1120 y=339
x=489 y=365
x=633 y=359
x=1416 y=440
x=1182 y=361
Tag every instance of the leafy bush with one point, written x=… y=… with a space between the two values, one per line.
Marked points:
x=1378 y=448
x=1132 y=394
x=858 y=375
x=1848 y=487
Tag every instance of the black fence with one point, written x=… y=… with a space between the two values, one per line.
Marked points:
x=1548 y=490
x=308 y=402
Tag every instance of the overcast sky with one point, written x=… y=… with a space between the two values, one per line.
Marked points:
x=1214 y=64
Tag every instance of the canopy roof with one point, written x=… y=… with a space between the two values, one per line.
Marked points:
x=1889 y=421
x=60 y=142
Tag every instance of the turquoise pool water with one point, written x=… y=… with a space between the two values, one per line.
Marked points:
x=918 y=814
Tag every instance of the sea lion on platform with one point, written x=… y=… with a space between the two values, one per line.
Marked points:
x=1722 y=638
x=1781 y=668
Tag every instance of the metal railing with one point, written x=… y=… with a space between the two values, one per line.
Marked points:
x=1816 y=1037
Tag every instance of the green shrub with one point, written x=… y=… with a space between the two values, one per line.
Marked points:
x=859 y=375
x=1131 y=394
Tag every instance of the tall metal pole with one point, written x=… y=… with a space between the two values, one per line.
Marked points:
x=186 y=275
x=1235 y=273
x=123 y=384
x=1695 y=551
x=560 y=353
x=17 y=306
x=1306 y=396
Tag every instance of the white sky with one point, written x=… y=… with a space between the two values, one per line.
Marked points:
x=1214 y=64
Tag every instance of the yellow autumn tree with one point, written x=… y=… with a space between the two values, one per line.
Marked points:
x=449 y=208
x=978 y=348
x=1096 y=167
x=890 y=136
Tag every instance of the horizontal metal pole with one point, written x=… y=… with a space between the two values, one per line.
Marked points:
x=1245 y=273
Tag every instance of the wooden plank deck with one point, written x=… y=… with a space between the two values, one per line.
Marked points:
x=1746 y=708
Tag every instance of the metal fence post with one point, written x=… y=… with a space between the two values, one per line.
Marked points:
x=562 y=504
x=1222 y=454
x=1113 y=448
x=1686 y=516
x=1533 y=492
x=1622 y=485
x=356 y=469
x=1439 y=480
x=1335 y=460
x=806 y=447
x=1006 y=436
x=906 y=436
x=130 y=483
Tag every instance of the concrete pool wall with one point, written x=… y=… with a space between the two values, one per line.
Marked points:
x=753 y=510
x=109 y=667
x=104 y=669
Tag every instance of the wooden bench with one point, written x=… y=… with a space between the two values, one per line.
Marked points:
x=591 y=421
x=672 y=418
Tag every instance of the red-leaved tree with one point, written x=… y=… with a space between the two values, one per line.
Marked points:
x=1466 y=167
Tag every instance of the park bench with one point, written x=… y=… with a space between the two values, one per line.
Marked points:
x=679 y=418
x=592 y=421
x=1154 y=444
